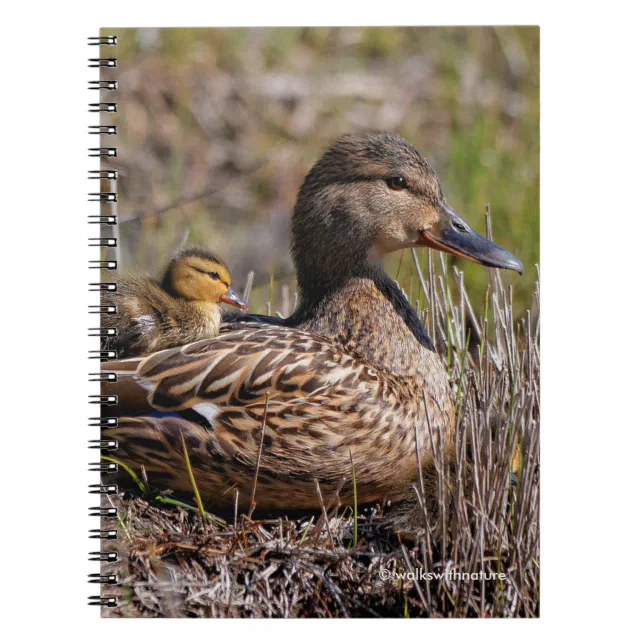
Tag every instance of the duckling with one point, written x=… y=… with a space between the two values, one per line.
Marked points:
x=184 y=307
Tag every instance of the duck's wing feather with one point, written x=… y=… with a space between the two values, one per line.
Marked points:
x=291 y=391
x=246 y=362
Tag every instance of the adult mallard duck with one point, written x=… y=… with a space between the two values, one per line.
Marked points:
x=338 y=384
x=185 y=306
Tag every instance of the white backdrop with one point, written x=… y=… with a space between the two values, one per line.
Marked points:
x=591 y=256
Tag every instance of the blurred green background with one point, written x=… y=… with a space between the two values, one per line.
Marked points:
x=218 y=127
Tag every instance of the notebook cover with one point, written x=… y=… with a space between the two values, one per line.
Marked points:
x=364 y=441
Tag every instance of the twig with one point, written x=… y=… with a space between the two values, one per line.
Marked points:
x=259 y=458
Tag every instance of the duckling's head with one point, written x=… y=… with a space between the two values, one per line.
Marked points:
x=198 y=275
x=368 y=196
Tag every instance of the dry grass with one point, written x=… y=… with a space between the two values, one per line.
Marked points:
x=476 y=511
x=218 y=127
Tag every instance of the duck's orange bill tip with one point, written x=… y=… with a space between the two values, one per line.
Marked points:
x=230 y=297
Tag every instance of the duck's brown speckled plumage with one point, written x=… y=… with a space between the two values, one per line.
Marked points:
x=342 y=381
x=327 y=404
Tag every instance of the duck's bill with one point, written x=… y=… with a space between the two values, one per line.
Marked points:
x=230 y=297
x=452 y=235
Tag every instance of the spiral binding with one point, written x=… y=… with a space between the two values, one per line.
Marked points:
x=102 y=377
x=108 y=85
x=102 y=62
x=97 y=600
x=107 y=220
x=109 y=287
x=109 y=242
x=102 y=40
x=110 y=557
x=103 y=107
x=102 y=421
x=103 y=264
x=107 y=198
x=106 y=445
x=103 y=174
x=102 y=152
x=101 y=399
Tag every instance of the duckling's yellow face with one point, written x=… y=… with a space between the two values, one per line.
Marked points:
x=203 y=280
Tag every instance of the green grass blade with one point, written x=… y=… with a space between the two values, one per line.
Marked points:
x=192 y=479
x=135 y=478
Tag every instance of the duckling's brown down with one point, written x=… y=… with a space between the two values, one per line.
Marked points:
x=183 y=307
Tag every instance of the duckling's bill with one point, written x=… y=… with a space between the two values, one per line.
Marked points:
x=230 y=297
x=451 y=234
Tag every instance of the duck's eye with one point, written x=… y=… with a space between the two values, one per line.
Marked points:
x=214 y=275
x=396 y=183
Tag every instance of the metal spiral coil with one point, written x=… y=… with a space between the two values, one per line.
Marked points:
x=102 y=62
x=102 y=354
x=103 y=264
x=105 y=220
x=97 y=578
x=106 y=241
x=102 y=40
x=101 y=332
x=110 y=557
x=110 y=130
x=106 y=84
x=103 y=489
x=103 y=174
x=103 y=512
x=109 y=535
x=102 y=399
x=106 y=197
x=102 y=107
x=104 y=422
x=102 y=152
x=105 y=468
x=103 y=376
x=106 y=445
x=109 y=287
x=97 y=600
x=102 y=308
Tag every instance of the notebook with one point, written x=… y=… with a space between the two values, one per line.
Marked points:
x=315 y=301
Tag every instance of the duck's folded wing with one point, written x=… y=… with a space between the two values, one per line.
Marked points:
x=307 y=405
x=238 y=369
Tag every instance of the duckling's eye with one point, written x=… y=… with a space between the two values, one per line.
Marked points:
x=214 y=275
x=396 y=183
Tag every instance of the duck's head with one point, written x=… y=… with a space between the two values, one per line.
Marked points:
x=198 y=275
x=371 y=195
